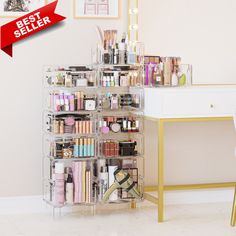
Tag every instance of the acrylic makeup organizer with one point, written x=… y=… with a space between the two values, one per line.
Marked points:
x=93 y=124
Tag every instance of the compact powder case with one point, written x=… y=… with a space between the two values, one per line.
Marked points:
x=90 y=104
x=115 y=127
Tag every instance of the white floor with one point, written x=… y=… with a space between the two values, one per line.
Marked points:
x=184 y=220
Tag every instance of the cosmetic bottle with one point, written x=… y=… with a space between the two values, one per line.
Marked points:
x=71 y=102
x=68 y=80
x=116 y=78
x=174 y=79
x=67 y=103
x=131 y=55
x=116 y=55
x=69 y=190
x=78 y=101
x=56 y=129
x=103 y=181
x=92 y=147
x=56 y=102
x=114 y=102
x=77 y=127
x=61 y=127
x=76 y=148
x=122 y=53
x=112 y=80
x=62 y=101
x=59 y=186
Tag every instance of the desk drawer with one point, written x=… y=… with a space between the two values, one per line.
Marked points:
x=198 y=103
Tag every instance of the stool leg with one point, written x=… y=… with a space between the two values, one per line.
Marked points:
x=233 y=216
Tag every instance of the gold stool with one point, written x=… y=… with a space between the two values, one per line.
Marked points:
x=233 y=216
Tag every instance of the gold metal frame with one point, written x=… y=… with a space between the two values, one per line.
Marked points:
x=161 y=187
x=45 y=3
x=233 y=216
x=97 y=17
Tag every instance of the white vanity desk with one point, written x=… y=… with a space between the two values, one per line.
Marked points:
x=185 y=104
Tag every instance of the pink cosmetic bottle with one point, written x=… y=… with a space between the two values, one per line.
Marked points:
x=59 y=187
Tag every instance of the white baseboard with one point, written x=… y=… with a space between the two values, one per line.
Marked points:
x=35 y=204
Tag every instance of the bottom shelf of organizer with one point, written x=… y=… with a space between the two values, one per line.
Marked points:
x=87 y=182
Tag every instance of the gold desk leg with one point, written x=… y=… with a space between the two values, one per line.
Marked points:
x=133 y=204
x=233 y=215
x=160 y=189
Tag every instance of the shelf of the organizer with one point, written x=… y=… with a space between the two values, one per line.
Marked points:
x=113 y=135
x=65 y=136
x=104 y=65
x=69 y=205
x=130 y=109
x=70 y=112
x=123 y=201
x=139 y=156
x=72 y=159
x=70 y=89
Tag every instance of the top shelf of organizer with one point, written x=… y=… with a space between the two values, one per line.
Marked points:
x=70 y=77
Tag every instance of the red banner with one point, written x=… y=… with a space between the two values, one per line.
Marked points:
x=28 y=25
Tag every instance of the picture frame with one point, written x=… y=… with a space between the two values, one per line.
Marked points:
x=97 y=9
x=18 y=8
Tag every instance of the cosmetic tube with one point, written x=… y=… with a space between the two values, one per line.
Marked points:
x=85 y=148
x=89 y=147
x=76 y=148
x=92 y=147
x=80 y=147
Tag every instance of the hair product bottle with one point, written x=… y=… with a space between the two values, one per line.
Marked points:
x=69 y=190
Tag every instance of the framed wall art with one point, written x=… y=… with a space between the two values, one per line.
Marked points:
x=17 y=8
x=97 y=9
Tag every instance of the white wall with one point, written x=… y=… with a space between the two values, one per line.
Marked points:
x=21 y=112
x=201 y=32
x=21 y=94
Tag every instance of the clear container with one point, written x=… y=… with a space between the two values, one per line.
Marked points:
x=67 y=124
x=69 y=77
x=64 y=101
x=132 y=101
x=70 y=148
x=106 y=177
x=80 y=191
x=120 y=124
x=121 y=148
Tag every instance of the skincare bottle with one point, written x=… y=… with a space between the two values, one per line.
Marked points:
x=122 y=53
x=116 y=78
x=69 y=190
x=131 y=55
x=59 y=186
x=174 y=79
x=103 y=181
